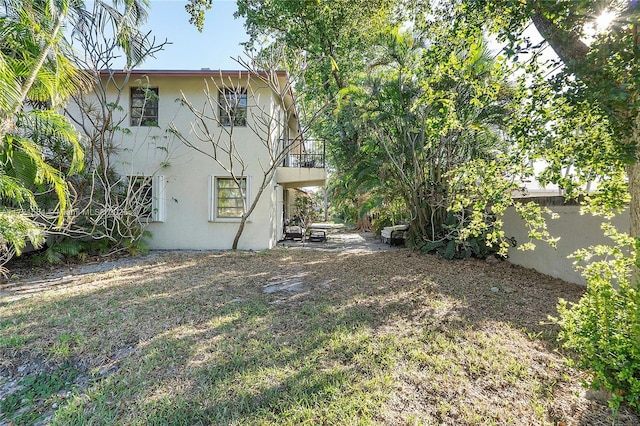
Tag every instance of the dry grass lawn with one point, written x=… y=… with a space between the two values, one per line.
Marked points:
x=390 y=338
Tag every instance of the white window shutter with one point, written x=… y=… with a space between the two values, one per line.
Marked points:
x=212 y=198
x=159 y=202
x=249 y=195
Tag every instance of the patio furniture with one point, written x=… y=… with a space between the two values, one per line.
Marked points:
x=294 y=232
x=394 y=235
x=317 y=235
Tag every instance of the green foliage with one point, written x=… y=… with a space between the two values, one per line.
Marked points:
x=304 y=209
x=137 y=246
x=196 y=9
x=57 y=251
x=16 y=229
x=455 y=242
x=421 y=112
x=80 y=248
x=574 y=143
x=581 y=119
x=34 y=71
x=603 y=328
x=334 y=35
x=329 y=43
x=390 y=213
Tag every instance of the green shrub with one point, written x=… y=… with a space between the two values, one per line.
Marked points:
x=389 y=213
x=454 y=243
x=58 y=250
x=603 y=328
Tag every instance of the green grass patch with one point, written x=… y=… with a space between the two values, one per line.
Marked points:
x=36 y=394
x=14 y=341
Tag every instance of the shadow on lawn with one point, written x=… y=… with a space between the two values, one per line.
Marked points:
x=212 y=348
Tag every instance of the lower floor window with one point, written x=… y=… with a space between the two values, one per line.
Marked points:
x=228 y=197
x=147 y=197
x=231 y=196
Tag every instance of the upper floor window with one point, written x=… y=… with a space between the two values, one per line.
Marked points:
x=233 y=107
x=144 y=106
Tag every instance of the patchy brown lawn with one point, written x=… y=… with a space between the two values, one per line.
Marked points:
x=290 y=336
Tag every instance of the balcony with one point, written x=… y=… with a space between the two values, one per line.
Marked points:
x=308 y=153
x=305 y=165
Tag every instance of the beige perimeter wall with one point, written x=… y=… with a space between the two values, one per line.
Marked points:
x=575 y=231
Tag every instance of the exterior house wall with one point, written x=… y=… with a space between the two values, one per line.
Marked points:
x=575 y=231
x=187 y=174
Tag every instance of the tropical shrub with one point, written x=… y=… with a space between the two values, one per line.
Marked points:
x=603 y=328
x=455 y=242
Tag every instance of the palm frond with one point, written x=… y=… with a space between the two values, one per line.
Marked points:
x=16 y=228
x=51 y=124
x=12 y=189
x=9 y=82
x=18 y=164
x=47 y=174
x=9 y=86
x=134 y=43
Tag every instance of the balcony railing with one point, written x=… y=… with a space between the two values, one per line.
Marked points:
x=305 y=153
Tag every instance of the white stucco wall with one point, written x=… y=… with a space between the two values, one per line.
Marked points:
x=575 y=231
x=186 y=173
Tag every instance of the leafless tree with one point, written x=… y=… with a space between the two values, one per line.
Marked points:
x=107 y=205
x=214 y=124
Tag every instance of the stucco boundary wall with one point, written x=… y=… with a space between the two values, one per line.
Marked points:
x=575 y=231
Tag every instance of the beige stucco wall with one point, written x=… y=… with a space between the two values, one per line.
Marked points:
x=186 y=173
x=575 y=231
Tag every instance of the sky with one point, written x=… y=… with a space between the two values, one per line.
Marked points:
x=191 y=50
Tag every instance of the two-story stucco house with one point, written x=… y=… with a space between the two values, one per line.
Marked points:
x=194 y=203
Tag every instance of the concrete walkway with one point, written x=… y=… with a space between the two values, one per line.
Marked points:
x=343 y=240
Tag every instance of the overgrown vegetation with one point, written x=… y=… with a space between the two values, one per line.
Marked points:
x=36 y=76
x=456 y=243
x=112 y=203
x=423 y=113
x=58 y=182
x=580 y=117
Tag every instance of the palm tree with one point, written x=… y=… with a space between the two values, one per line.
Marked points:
x=37 y=75
x=33 y=73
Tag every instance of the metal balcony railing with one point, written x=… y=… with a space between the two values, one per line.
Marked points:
x=305 y=153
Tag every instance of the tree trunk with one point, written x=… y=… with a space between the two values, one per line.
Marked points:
x=568 y=46
x=633 y=173
x=252 y=207
x=236 y=239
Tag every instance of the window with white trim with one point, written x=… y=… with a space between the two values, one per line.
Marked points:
x=147 y=197
x=229 y=197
